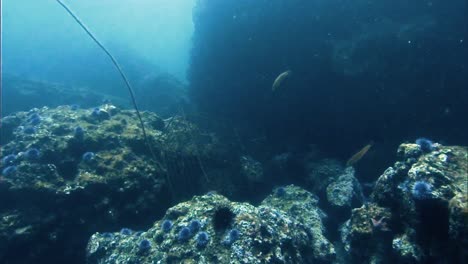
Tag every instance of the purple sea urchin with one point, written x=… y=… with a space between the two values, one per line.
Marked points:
x=126 y=231
x=280 y=192
x=8 y=159
x=95 y=112
x=421 y=190
x=79 y=132
x=184 y=234
x=32 y=154
x=231 y=237
x=9 y=171
x=202 y=239
x=166 y=226
x=30 y=130
x=35 y=119
x=88 y=156
x=107 y=235
x=194 y=226
x=425 y=144
x=144 y=245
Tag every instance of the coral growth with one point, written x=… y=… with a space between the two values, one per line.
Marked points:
x=101 y=161
x=274 y=232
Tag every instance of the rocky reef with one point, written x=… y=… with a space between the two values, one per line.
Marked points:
x=69 y=172
x=285 y=228
x=418 y=211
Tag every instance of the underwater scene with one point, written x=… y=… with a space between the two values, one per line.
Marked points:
x=234 y=131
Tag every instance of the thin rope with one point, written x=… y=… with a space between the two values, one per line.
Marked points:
x=124 y=77
x=197 y=153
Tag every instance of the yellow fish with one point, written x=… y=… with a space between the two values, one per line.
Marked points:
x=356 y=157
x=279 y=80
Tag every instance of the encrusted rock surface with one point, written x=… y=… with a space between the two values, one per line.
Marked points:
x=345 y=192
x=285 y=228
x=423 y=199
x=69 y=172
x=303 y=207
x=367 y=230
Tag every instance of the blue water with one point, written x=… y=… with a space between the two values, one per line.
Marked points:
x=358 y=72
x=42 y=42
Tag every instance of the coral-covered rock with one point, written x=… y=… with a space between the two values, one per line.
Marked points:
x=458 y=222
x=345 y=192
x=426 y=191
x=319 y=174
x=230 y=232
x=405 y=247
x=63 y=185
x=365 y=233
x=303 y=206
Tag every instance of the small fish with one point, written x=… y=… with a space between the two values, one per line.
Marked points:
x=280 y=79
x=356 y=157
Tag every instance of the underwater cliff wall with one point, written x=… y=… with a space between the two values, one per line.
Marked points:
x=385 y=71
